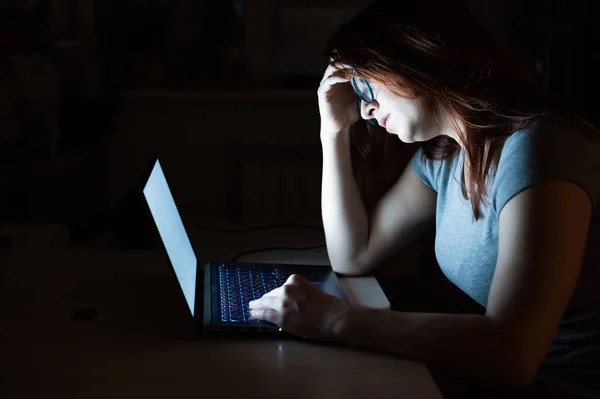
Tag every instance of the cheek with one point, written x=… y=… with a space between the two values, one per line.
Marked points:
x=405 y=114
x=409 y=123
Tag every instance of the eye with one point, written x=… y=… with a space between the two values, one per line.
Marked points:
x=363 y=89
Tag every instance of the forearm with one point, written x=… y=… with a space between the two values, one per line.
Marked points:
x=470 y=344
x=344 y=218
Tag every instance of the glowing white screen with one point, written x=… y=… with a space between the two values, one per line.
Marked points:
x=172 y=232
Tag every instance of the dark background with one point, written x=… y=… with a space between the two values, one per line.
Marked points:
x=224 y=90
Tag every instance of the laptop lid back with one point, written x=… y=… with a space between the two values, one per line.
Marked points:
x=172 y=232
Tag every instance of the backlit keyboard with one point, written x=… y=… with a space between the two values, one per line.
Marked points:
x=240 y=285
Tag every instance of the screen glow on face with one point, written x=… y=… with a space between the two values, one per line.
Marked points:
x=364 y=92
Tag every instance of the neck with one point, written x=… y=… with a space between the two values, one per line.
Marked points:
x=454 y=128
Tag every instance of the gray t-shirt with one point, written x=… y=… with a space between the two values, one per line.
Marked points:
x=467 y=250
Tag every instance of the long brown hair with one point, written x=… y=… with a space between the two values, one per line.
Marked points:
x=437 y=52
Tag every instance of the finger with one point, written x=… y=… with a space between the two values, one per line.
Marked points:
x=288 y=290
x=275 y=292
x=338 y=64
x=329 y=82
x=328 y=72
x=332 y=70
x=275 y=303
x=334 y=74
x=336 y=78
x=331 y=67
x=296 y=279
x=269 y=315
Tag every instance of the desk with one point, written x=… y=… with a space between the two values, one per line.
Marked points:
x=141 y=343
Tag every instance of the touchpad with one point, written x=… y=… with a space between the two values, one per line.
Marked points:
x=329 y=288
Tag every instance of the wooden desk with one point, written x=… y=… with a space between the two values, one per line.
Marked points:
x=142 y=344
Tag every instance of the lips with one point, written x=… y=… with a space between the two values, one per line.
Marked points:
x=383 y=121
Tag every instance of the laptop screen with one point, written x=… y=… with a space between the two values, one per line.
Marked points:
x=172 y=232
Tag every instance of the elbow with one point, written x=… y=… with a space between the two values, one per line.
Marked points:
x=520 y=369
x=347 y=271
x=350 y=268
x=514 y=360
x=520 y=375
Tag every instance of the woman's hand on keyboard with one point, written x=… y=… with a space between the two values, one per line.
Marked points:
x=300 y=308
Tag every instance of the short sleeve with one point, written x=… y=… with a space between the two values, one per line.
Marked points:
x=427 y=170
x=545 y=153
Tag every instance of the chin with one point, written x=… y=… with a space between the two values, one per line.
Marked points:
x=409 y=137
x=405 y=137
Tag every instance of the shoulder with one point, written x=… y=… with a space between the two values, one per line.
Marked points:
x=549 y=138
x=433 y=172
x=544 y=152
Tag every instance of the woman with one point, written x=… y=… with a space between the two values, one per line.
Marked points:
x=509 y=180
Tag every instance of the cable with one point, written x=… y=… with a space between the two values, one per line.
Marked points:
x=266 y=249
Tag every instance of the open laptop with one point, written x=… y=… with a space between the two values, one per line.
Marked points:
x=217 y=292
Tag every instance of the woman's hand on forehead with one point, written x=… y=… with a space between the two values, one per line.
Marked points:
x=339 y=66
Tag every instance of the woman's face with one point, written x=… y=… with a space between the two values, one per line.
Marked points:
x=403 y=116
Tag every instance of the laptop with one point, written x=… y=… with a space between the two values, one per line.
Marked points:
x=217 y=293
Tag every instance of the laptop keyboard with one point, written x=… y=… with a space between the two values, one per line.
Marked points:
x=240 y=285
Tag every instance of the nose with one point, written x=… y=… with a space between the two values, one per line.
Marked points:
x=367 y=110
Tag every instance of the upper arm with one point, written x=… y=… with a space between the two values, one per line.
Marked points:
x=542 y=237
x=398 y=218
